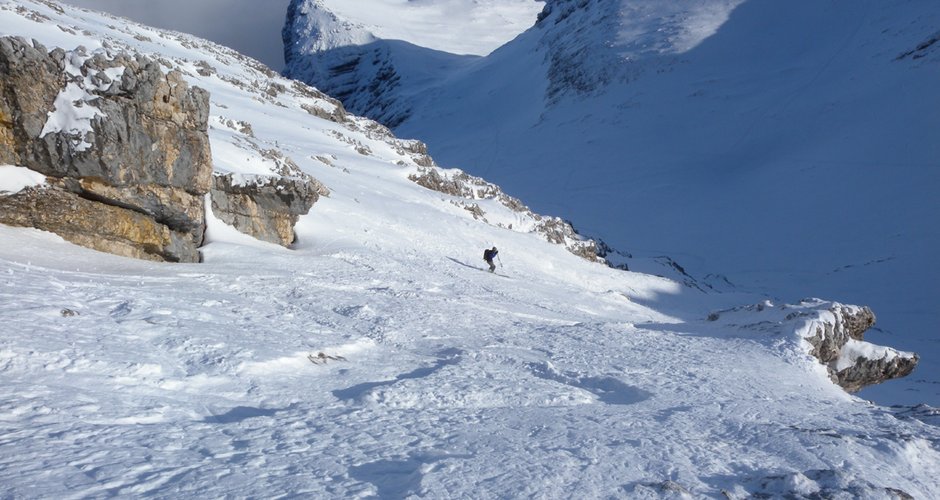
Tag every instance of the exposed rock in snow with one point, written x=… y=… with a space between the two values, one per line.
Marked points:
x=459 y=184
x=819 y=483
x=838 y=341
x=924 y=49
x=102 y=226
x=115 y=130
x=833 y=333
x=264 y=207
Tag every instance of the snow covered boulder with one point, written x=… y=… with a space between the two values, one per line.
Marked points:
x=831 y=332
x=837 y=337
x=114 y=134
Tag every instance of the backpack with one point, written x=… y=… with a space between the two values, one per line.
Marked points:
x=487 y=255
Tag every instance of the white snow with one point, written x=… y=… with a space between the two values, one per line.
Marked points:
x=73 y=114
x=855 y=349
x=553 y=378
x=474 y=27
x=651 y=26
x=14 y=179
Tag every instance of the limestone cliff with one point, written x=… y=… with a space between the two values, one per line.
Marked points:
x=124 y=144
x=125 y=147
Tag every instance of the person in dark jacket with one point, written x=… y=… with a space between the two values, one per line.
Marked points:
x=488 y=255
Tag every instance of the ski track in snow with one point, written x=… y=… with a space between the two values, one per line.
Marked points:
x=193 y=380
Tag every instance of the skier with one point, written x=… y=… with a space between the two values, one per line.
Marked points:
x=488 y=255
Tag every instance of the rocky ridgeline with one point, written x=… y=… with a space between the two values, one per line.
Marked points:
x=833 y=333
x=125 y=149
x=346 y=61
x=577 y=62
x=467 y=188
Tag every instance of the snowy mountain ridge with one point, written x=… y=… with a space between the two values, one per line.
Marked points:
x=364 y=53
x=590 y=45
x=763 y=143
x=377 y=358
x=484 y=25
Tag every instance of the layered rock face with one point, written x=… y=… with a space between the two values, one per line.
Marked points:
x=264 y=207
x=125 y=147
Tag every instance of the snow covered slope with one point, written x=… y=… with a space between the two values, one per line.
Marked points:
x=378 y=55
x=475 y=27
x=791 y=147
x=377 y=359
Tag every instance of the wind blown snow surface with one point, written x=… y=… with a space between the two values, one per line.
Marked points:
x=788 y=147
x=376 y=359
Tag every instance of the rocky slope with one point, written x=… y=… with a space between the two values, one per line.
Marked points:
x=834 y=334
x=125 y=140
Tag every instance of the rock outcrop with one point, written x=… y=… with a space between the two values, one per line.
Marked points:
x=125 y=147
x=96 y=225
x=831 y=332
x=838 y=341
x=465 y=188
x=266 y=207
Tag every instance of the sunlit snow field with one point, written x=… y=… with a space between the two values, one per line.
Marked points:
x=377 y=358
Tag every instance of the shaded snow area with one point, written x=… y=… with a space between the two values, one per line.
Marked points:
x=790 y=148
x=376 y=358
x=646 y=27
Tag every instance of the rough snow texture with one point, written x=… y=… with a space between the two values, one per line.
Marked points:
x=554 y=377
x=436 y=379
x=788 y=147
